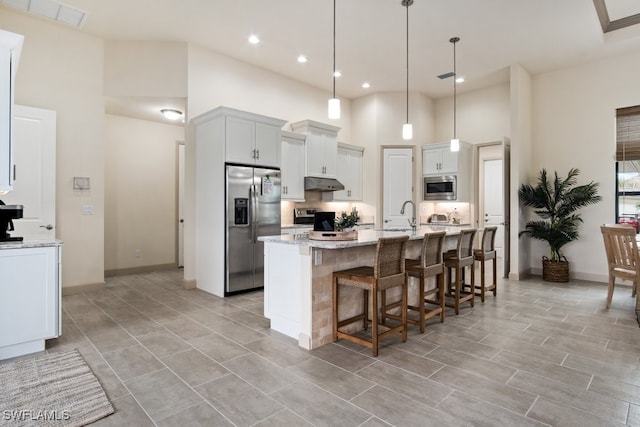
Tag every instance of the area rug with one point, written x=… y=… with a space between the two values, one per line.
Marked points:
x=53 y=389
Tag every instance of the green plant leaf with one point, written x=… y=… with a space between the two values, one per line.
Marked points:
x=557 y=203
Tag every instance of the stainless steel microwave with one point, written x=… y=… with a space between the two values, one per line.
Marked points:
x=438 y=188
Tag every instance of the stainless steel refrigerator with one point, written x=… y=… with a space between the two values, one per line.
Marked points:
x=253 y=210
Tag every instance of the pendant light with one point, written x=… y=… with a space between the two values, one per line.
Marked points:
x=334 y=103
x=455 y=142
x=407 y=128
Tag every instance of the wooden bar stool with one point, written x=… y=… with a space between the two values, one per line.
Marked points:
x=388 y=272
x=458 y=259
x=430 y=302
x=486 y=253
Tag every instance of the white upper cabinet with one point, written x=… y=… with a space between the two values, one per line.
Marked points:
x=438 y=159
x=10 y=47
x=349 y=173
x=293 y=152
x=321 y=148
x=252 y=139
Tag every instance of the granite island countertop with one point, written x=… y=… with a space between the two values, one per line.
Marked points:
x=365 y=237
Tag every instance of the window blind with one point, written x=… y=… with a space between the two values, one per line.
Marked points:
x=628 y=133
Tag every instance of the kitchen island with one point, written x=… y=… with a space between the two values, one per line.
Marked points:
x=298 y=279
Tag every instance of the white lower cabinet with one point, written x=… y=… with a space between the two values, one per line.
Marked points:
x=30 y=299
x=283 y=296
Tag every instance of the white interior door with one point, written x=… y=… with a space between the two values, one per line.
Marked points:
x=181 y=159
x=34 y=133
x=397 y=177
x=493 y=214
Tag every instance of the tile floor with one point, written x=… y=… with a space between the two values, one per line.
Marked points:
x=538 y=354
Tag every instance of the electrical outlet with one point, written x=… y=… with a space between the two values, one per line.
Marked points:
x=87 y=209
x=137 y=253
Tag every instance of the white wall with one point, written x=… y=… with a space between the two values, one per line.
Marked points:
x=61 y=69
x=140 y=192
x=145 y=68
x=216 y=80
x=377 y=121
x=481 y=116
x=574 y=126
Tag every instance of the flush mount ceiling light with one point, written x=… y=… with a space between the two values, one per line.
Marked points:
x=366 y=85
x=171 y=114
x=302 y=59
x=253 y=39
x=334 y=103
x=407 y=128
x=50 y=9
x=455 y=142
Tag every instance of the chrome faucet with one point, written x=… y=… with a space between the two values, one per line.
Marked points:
x=412 y=221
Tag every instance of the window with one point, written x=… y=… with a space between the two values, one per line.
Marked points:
x=628 y=165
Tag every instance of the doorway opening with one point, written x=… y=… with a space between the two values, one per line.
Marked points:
x=493 y=201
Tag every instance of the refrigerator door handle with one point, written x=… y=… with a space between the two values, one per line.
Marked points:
x=254 y=214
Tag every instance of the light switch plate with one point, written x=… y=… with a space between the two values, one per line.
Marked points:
x=87 y=209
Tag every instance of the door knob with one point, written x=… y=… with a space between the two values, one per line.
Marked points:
x=48 y=226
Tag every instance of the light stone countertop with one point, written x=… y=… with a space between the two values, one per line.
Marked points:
x=29 y=244
x=365 y=237
x=310 y=226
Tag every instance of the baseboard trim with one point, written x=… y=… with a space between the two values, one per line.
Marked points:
x=189 y=284
x=72 y=290
x=139 y=270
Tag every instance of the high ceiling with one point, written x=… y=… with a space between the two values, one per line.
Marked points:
x=541 y=35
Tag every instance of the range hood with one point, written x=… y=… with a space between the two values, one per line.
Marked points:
x=312 y=183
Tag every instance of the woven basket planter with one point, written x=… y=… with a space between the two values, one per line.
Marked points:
x=555 y=271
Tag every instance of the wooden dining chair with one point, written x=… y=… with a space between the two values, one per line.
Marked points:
x=622 y=255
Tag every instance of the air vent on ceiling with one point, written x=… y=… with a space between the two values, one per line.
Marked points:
x=50 y=9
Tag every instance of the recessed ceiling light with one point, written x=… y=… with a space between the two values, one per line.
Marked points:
x=253 y=39
x=366 y=85
x=460 y=80
x=171 y=114
x=302 y=59
x=337 y=74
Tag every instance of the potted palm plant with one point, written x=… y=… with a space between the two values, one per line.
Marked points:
x=556 y=203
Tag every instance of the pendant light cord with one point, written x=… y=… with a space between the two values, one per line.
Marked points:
x=407 y=5
x=334 y=49
x=455 y=97
x=454 y=40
